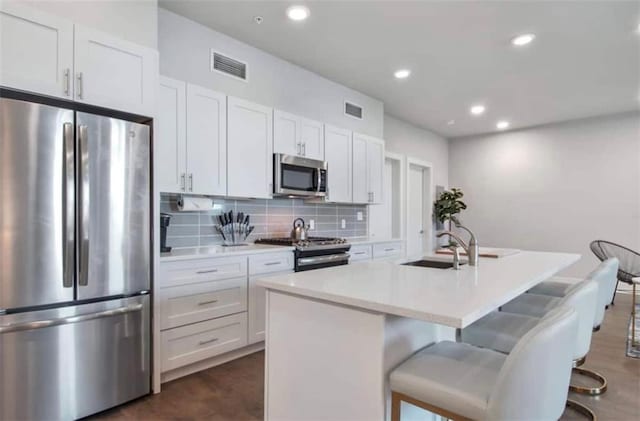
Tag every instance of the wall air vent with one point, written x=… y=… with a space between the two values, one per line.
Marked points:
x=228 y=66
x=353 y=110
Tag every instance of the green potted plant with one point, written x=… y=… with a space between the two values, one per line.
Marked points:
x=448 y=205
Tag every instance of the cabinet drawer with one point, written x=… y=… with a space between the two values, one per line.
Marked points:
x=197 y=302
x=360 y=253
x=272 y=262
x=202 y=270
x=196 y=342
x=382 y=250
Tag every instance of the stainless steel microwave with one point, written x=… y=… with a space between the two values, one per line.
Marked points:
x=296 y=176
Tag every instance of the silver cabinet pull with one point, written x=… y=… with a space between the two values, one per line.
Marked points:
x=182 y=182
x=67 y=82
x=191 y=182
x=357 y=253
x=80 y=88
x=304 y=149
x=299 y=148
x=204 y=303
x=208 y=341
x=69 y=206
x=200 y=272
x=389 y=249
x=84 y=208
x=271 y=263
x=39 y=324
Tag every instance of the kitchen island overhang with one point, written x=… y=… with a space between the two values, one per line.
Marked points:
x=333 y=335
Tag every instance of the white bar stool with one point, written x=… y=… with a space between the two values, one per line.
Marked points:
x=501 y=331
x=536 y=305
x=461 y=381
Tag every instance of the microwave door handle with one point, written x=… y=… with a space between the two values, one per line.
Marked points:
x=319 y=180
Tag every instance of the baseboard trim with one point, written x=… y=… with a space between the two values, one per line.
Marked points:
x=210 y=362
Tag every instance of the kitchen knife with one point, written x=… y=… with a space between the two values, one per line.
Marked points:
x=219 y=229
x=249 y=232
x=221 y=220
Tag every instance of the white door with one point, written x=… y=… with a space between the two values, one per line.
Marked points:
x=338 y=156
x=36 y=51
x=113 y=73
x=206 y=141
x=286 y=133
x=257 y=311
x=416 y=216
x=359 y=165
x=171 y=137
x=375 y=169
x=249 y=149
x=312 y=139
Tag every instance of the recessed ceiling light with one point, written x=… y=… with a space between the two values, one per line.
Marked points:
x=523 y=39
x=502 y=124
x=451 y=122
x=298 y=12
x=402 y=73
x=477 y=109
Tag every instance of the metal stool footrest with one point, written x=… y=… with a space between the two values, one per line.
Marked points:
x=593 y=391
x=584 y=410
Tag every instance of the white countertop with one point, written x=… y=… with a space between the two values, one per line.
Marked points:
x=219 y=251
x=450 y=297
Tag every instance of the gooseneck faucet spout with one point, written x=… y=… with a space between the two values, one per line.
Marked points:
x=472 y=249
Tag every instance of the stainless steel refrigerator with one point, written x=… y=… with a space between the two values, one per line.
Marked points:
x=74 y=261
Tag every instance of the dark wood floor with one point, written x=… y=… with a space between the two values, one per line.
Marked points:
x=234 y=391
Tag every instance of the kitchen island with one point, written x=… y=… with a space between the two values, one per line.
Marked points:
x=333 y=335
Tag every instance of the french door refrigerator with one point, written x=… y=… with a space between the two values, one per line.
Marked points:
x=74 y=261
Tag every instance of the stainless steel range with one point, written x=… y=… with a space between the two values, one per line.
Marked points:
x=314 y=252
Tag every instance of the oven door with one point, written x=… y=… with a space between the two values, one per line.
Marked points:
x=295 y=176
x=322 y=261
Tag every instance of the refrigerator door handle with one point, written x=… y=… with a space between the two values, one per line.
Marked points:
x=40 y=324
x=68 y=206
x=84 y=206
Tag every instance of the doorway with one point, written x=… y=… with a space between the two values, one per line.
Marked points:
x=419 y=207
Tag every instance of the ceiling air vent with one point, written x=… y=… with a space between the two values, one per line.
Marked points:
x=353 y=110
x=228 y=66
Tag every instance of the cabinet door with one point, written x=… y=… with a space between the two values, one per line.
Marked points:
x=338 y=156
x=171 y=137
x=249 y=149
x=375 y=169
x=312 y=139
x=113 y=73
x=256 y=311
x=36 y=51
x=286 y=133
x=206 y=141
x=360 y=174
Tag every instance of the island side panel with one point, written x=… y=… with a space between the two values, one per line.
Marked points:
x=328 y=361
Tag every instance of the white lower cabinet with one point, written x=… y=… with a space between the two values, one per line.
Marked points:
x=195 y=342
x=388 y=249
x=360 y=253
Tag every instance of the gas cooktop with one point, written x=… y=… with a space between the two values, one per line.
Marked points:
x=312 y=243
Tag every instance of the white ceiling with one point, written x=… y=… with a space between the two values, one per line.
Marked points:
x=585 y=60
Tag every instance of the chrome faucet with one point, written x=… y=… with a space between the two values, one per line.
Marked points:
x=471 y=249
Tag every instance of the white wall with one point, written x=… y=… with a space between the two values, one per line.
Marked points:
x=407 y=139
x=133 y=20
x=184 y=54
x=555 y=187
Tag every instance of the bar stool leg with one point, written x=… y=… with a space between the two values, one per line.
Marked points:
x=395 y=406
x=578 y=407
x=593 y=391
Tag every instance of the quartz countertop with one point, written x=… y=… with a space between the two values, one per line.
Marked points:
x=450 y=297
x=219 y=251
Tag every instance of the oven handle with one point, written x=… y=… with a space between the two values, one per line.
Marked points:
x=315 y=260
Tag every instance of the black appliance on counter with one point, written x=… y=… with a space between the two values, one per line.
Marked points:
x=165 y=220
x=314 y=252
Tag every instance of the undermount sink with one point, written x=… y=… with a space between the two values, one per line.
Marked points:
x=437 y=264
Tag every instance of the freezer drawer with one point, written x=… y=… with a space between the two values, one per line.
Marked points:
x=71 y=362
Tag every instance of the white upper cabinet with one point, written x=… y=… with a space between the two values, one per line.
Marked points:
x=312 y=139
x=113 y=73
x=286 y=133
x=171 y=136
x=206 y=141
x=368 y=169
x=294 y=135
x=36 y=51
x=249 y=149
x=375 y=168
x=338 y=156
